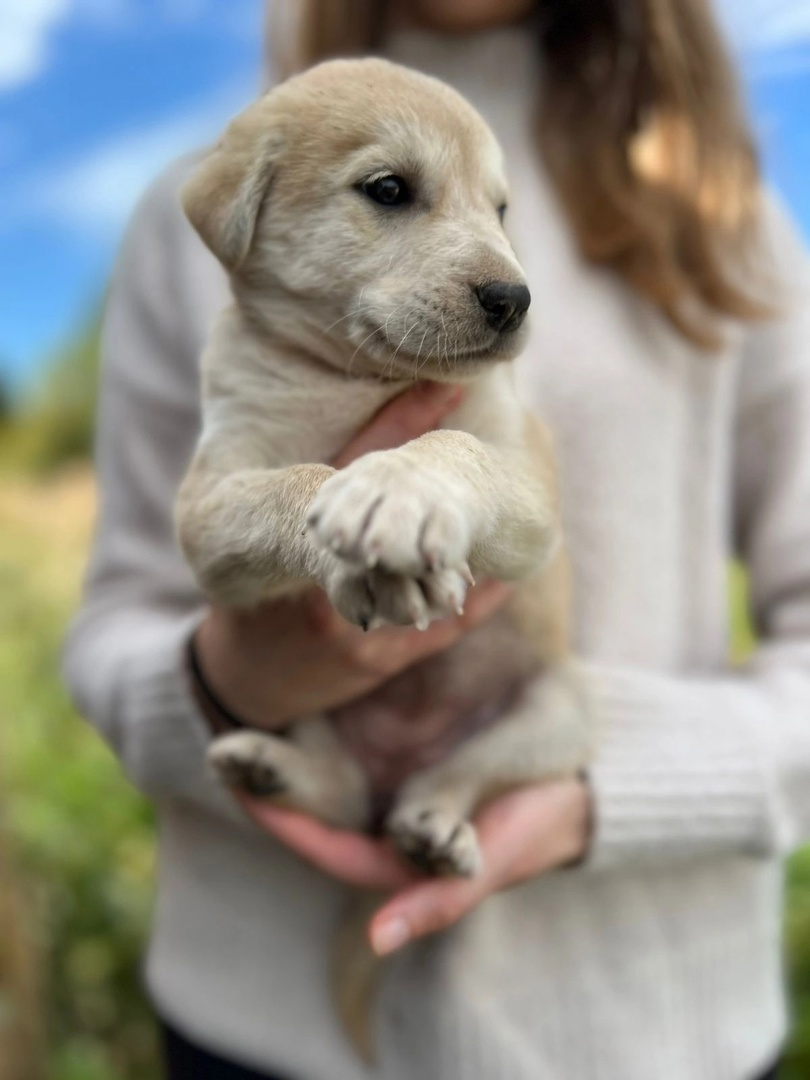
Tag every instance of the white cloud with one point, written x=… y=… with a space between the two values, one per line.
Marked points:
x=183 y=11
x=757 y=26
x=25 y=29
x=97 y=192
x=27 y=26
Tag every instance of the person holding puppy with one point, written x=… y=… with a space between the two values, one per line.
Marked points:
x=675 y=376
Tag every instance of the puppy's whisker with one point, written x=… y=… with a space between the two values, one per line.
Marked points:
x=340 y=320
x=419 y=350
x=388 y=366
x=446 y=343
x=390 y=315
x=427 y=358
x=404 y=336
x=360 y=346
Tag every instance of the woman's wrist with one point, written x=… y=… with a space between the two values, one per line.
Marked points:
x=224 y=687
x=221 y=718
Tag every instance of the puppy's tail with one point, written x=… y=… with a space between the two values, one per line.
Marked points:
x=356 y=974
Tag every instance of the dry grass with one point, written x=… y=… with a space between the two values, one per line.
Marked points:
x=46 y=528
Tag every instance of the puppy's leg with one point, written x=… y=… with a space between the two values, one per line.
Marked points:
x=243 y=531
x=444 y=501
x=244 y=535
x=549 y=734
x=308 y=770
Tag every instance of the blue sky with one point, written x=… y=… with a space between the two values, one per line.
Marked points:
x=96 y=95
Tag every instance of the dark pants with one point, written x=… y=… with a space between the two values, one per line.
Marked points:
x=187 y=1062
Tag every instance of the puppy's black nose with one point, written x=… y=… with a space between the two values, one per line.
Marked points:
x=504 y=305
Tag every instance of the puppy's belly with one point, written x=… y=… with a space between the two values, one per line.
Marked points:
x=421 y=715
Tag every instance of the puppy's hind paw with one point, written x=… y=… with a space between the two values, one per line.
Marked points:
x=436 y=841
x=246 y=761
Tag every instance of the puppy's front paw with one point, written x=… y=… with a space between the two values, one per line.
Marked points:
x=376 y=597
x=381 y=512
x=435 y=840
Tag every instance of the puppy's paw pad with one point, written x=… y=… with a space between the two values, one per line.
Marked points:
x=245 y=761
x=350 y=594
x=436 y=841
x=382 y=511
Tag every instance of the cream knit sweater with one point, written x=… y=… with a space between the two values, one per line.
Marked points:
x=658 y=958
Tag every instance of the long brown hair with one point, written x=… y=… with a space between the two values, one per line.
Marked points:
x=642 y=131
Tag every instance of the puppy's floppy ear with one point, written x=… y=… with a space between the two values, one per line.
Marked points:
x=223 y=198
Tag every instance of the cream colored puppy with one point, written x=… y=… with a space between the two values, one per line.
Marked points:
x=359 y=211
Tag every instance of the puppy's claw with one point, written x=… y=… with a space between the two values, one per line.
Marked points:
x=433 y=561
x=418 y=613
x=466 y=573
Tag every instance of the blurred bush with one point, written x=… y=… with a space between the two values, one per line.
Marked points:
x=21 y=1057
x=54 y=424
x=82 y=839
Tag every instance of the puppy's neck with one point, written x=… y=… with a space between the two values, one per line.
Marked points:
x=306 y=409
x=292 y=325
x=280 y=322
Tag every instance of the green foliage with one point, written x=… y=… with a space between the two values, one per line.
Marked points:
x=797 y=944
x=6 y=405
x=83 y=839
x=55 y=425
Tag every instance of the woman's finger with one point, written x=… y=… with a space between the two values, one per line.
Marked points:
x=522 y=833
x=425 y=907
x=348 y=856
x=408 y=416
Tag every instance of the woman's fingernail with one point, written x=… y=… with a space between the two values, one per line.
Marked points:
x=390 y=936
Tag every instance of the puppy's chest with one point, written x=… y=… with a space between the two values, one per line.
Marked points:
x=306 y=413
x=316 y=421
x=422 y=714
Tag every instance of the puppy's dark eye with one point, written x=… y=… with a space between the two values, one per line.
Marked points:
x=502 y=212
x=387 y=190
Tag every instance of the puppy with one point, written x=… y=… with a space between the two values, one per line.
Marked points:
x=358 y=209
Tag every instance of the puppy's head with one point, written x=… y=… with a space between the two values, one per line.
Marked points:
x=359 y=209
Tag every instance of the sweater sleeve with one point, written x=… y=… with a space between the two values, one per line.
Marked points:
x=697 y=767
x=123 y=654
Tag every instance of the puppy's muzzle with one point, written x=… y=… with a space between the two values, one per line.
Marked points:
x=504 y=305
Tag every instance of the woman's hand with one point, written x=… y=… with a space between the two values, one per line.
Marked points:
x=522 y=834
x=292 y=657
x=295 y=656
